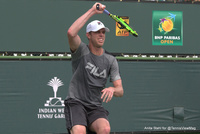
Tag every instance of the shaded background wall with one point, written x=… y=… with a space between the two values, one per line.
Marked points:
x=41 y=25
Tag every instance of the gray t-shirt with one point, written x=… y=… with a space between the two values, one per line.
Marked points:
x=90 y=73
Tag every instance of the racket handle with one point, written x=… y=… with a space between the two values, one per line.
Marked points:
x=105 y=11
x=97 y=6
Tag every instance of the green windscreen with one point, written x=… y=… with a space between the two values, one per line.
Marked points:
x=158 y=96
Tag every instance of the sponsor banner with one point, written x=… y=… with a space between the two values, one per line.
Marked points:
x=120 y=31
x=167 y=28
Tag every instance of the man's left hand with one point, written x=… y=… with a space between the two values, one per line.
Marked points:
x=107 y=94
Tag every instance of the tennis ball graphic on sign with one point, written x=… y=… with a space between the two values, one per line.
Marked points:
x=167 y=28
x=167 y=25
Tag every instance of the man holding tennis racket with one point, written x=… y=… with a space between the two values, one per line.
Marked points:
x=91 y=66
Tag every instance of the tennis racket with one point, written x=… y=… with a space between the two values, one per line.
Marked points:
x=120 y=21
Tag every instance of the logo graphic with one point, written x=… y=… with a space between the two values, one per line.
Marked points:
x=120 y=31
x=94 y=70
x=54 y=101
x=99 y=23
x=54 y=107
x=167 y=28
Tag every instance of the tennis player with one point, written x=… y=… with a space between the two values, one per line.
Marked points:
x=91 y=66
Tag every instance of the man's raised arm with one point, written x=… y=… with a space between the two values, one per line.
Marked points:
x=72 y=33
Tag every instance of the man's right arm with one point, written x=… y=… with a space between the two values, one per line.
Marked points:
x=72 y=33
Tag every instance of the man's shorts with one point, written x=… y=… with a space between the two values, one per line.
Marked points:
x=78 y=114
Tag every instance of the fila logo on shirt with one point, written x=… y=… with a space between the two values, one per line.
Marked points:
x=94 y=70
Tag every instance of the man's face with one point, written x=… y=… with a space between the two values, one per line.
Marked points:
x=97 y=38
